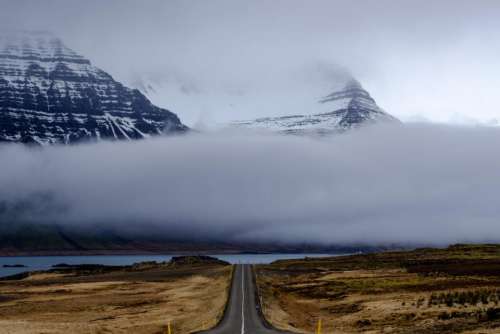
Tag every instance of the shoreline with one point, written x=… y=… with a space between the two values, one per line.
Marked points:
x=167 y=253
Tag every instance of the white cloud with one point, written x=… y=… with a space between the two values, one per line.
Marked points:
x=417 y=184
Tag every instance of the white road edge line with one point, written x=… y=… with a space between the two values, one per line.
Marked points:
x=243 y=301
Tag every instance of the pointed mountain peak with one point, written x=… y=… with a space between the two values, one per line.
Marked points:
x=51 y=94
x=352 y=89
x=346 y=108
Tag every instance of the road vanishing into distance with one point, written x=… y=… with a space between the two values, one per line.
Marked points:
x=242 y=315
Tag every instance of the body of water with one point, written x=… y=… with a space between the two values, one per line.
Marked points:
x=33 y=263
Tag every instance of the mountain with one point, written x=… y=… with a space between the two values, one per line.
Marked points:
x=43 y=239
x=50 y=94
x=312 y=97
x=350 y=107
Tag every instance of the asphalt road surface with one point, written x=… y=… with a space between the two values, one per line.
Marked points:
x=242 y=315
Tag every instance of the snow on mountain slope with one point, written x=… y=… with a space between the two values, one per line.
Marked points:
x=290 y=100
x=347 y=108
x=51 y=94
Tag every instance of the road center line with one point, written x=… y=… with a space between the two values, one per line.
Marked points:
x=243 y=301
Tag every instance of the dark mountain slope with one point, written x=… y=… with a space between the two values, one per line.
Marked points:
x=50 y=94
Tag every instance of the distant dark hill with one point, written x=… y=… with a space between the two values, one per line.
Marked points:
x=196 y=259
x=37 y=239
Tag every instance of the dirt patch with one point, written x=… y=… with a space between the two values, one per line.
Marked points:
x=190 y=297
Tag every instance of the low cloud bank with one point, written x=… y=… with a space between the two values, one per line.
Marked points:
x=401 y=184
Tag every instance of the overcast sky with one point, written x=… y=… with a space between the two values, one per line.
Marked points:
x=435 y=60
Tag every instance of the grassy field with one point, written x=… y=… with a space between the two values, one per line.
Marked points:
x=140 y=299
x=453 y=290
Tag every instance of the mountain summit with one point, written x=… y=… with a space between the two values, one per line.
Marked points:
x=347 y=108
x=50 y=94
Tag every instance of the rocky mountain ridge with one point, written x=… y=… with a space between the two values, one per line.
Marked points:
x=51 y=94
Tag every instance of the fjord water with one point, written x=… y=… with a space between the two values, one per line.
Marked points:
x=33 y=263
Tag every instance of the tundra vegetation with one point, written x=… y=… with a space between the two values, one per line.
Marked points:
x=452 y=290
x=188 y=292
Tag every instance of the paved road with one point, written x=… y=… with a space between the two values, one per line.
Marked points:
x=242 y=314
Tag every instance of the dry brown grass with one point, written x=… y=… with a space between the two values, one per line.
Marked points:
x=355 y=295
x=138 y=302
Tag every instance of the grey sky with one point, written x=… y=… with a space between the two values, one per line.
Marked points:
x=434 y=60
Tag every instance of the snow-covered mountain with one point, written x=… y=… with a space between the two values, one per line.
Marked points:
x=312 y=97
x=51 y=94
x=347 y=108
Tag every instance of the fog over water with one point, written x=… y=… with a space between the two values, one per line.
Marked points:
x=398 y=184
